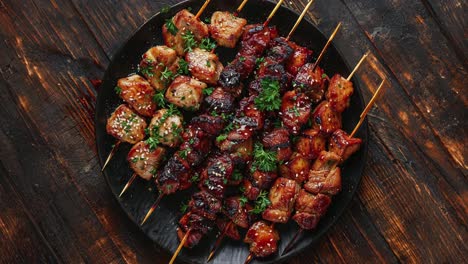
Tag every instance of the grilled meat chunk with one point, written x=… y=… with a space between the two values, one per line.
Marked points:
x=173 y=175
x=241 y=154
x=339 y=93
x=204 y=65
x=215 y=176
x=311 y=143
x=300 y=57
x=263 y=239
x=282 y=196
x=144 y=160
x=167 y=127
x=220 y=101
x=258 y=181
x=198 y=225
x=212 y=125
x=183 y=23
x=237 y=211
x=230 y=230
x=295 y=111
x=310 y=208
x=278 y=141
x=343 y=145
x=324 y=181
x=186 y=92
x=138 y=93
x=326 y=161
x=156 y=61
x=326 y=119
x=125 y=125
x=204 y=204
x=297 y=168
x=311 y=82
x=226 y=28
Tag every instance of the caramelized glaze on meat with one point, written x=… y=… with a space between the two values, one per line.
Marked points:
x=295 y=111
x=125 y=125
x=343 y=145
x=216 y=174
x=144 y=160
x=311 y=82
x=310 y=143
x=238 y=212
x=310 y=208
x=300 y=57
x=282 y=196
x=263 y=239
x=167 y=128
x=326 y=119
x=339 y=93
x=138 y=93
x=324 y=181
x=279 y=142
x=297 y=168
x=220 y=102
x=198 y=225
x=205 y=205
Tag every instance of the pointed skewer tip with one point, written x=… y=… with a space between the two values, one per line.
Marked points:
x=128 y=184
x=179 y=248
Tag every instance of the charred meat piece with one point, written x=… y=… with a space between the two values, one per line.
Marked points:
x=310 y=208
x=300 y=57
x=295 y=111
x=237 y=211
x=310 y=143
x=282 y=196
x=220 y=101
x=212 y=125
x=144 y=160
x=186 y=92
x=278 y=141
x=324 y=181
x=183 y=23
x=257 y=181
x=297 y=168
x=215 y=176
x=326 y=119
x=343 y=145
x=173 y=173
x=263 y=239
x=125 y=125
x=155 y=62
x=204 y=204
x=230 y=230
x=204 y=65
x=138 y=93
x=167 y=127
x=279 y=52
x=339 y=93
x=311 y=82
x=226 y=28
x=198 y=225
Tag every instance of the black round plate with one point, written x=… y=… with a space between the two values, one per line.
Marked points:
x=137 y=200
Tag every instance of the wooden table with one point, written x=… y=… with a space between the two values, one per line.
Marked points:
x=411 y=206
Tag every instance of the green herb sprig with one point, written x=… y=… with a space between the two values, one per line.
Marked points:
x=263 y=160
x=261 y=203
x=269 y=98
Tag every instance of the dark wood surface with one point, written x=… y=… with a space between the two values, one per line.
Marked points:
x=411 y=205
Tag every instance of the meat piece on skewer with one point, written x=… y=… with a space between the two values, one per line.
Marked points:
x=310 y=143
x=204 y=65
x=310 y=208
x=242 y=154
x=326 y=161
x=167 y=127
x=295 y=111
x=212 y=125
x=226 y=28
x=125 y=125
x=343 y=145
x=278 y=141
x=145 y=160
x=204 y=204
x=198 y=225
x=237 y=210
x=326 y=119
x=263 y=239
x=311 y=82
x=138 y=93
x=232 y=231
x=257 y=181
x=186 y=92
x=158 y=65
x=339 y=93
x=173 y=175
x=324 y=181
x=176 y=30
x=220 y=101
x=299 y=58
x=282 y=196
x=215 y=176
x=297 y=168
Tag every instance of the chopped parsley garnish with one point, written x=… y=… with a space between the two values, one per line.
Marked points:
x=159 y=99
x=324 y=76
x=183 y=67
x=195 y=178
x=207 y=20
x=171 y=27
x=208 y=44
x=295 y=111
x=237 y=176
x=261 y=203
x=118 y=90
x=269 y=98
x=147 y=71
x=153 y=142
x=242 y=59
x=189 y=40
x=183 y=153
x=264 y=160
x=243 y=200
x=208 y=63
x=167 y=76
x=184 y=207
x=260 y=60
x=208 y=91
x=221 y=138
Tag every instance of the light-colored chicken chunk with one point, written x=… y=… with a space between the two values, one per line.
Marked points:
x=182 y=25
x=125 y=125
x=145 y=160
x=204 y=65
x=186 y=92
x=167 y=127
x=226 y=28
x=138 y=93
x=158 y=65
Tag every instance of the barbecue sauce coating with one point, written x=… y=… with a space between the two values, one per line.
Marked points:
x=220 y=101
x=343 y=145
x=310 y=143
x=324 y=181
x=199 y=226
x=282 y=196
x=326 y=119
x=311 y=82
x=339 y=93
x=279 y=142
x=295 y=111
x=216 y=175
x=205 y=205
x=297 y=168
x=238 y=212
x=263 y=239
x=310 y=208
x=300 y=57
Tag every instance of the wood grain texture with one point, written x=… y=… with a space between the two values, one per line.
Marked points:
x=412 y=204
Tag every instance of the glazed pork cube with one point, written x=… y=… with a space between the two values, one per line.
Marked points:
x=263 y=239
x=145 y=160
x=186 y=92
x=295 y=111
x=310 y=208
x=204 y=65
x=126 y=125
x=167 y=127
x=297 y=168
x=310 y=143
x=282 y=196
x=158 y=65
x=138 y=93
x=339 y=93
x=311 y=81
x=326 y=119
x=324 y=181
x=226 y=28
x=343 y=145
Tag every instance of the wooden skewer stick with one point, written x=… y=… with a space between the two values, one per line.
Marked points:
x=368 y=108
x=239 y=9
x=300 y=19
x=273 y=13
x=134 y=176
x=357 y=66
x=218 y=241
x=111 y=154
x=362 y=117
x=202 y=9
x=153 y=207
x=179 y=248
x=327 y=45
